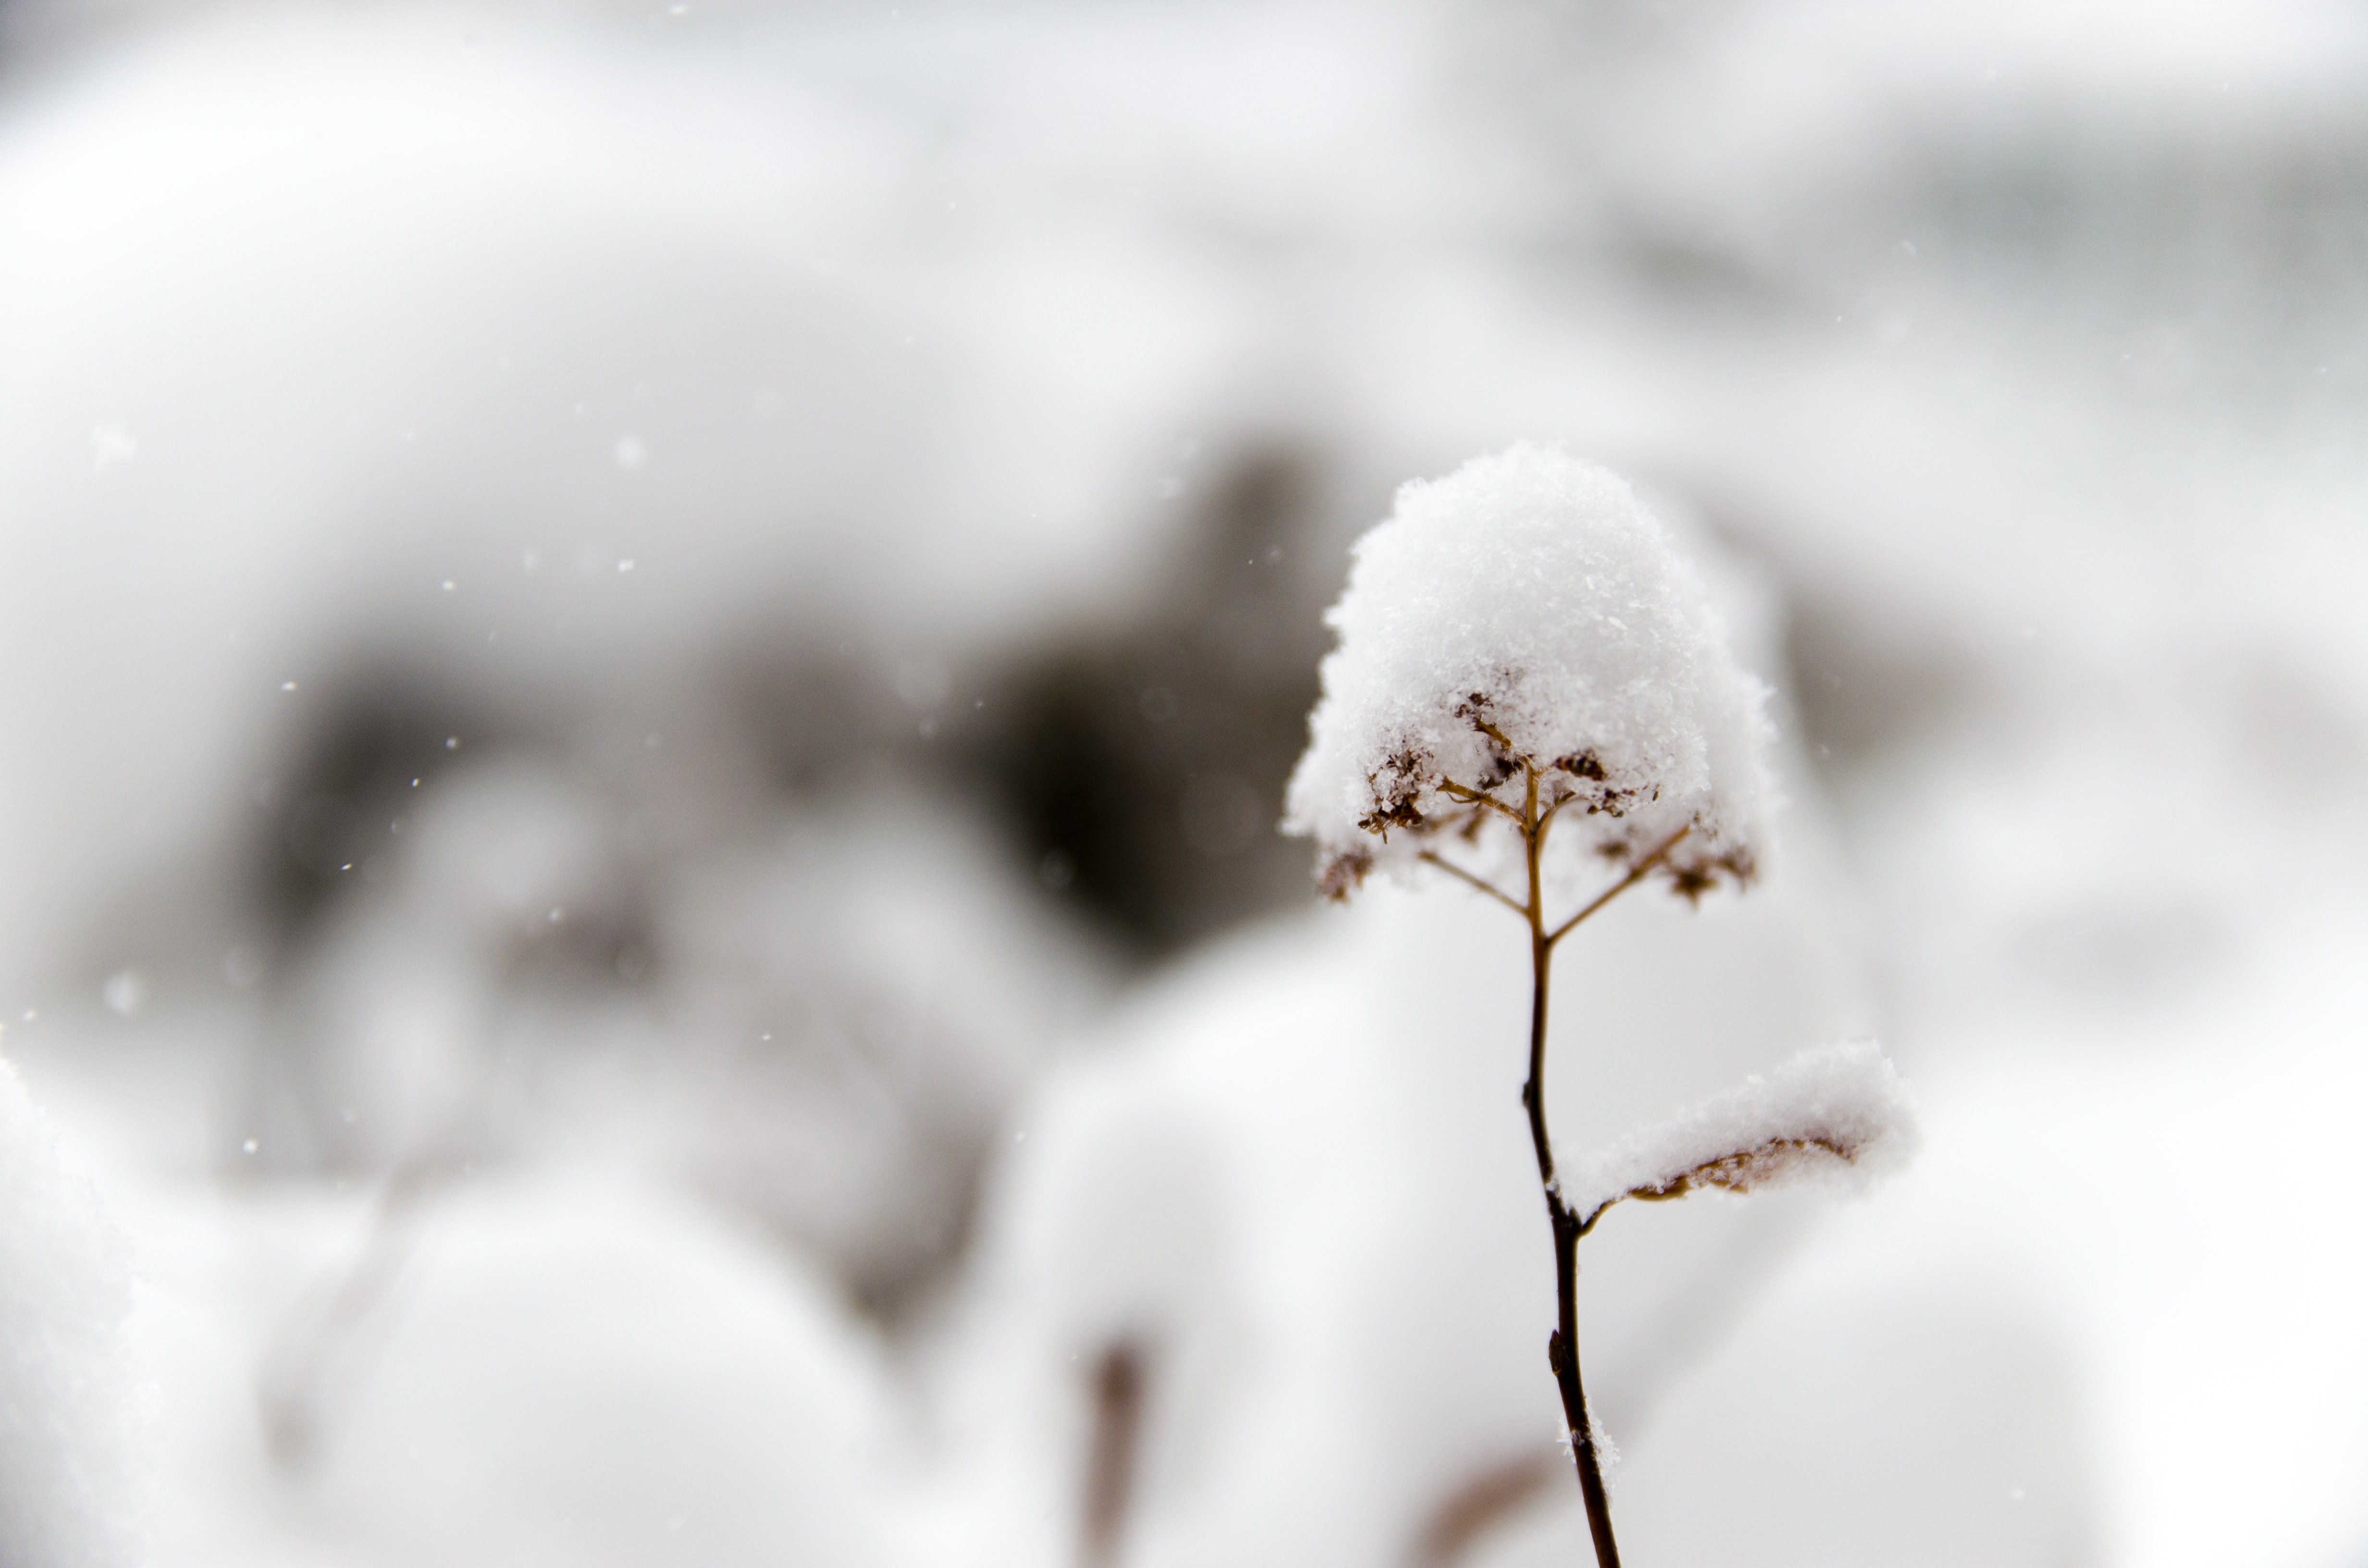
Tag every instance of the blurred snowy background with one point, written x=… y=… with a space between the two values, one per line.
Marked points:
x=648 y=651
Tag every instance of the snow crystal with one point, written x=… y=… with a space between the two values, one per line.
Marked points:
x=1607 y=1452
x=64 y=1289
x=1528 y=609
x=1839 y=1116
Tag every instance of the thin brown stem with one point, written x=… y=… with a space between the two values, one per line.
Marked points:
x=1470 y=796
x=1636 y=873
x=1497 y=735
x=1485 y=1500
x=1119 y=1389
x=1432 y=857
x=1562 y=1346
x=1547 y=820
x=293 y=1383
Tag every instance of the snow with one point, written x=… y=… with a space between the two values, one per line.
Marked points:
x=1838 y=1116
x=2018 y=356
x=1531 y=595
x=67 y=1466
x=1298 y=1171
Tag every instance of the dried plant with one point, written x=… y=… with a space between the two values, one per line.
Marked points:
x=1520 y=649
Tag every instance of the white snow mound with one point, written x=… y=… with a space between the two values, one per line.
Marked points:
x=64 y=1382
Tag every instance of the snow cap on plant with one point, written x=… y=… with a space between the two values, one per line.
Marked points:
x=1528 y=609
x=1838 y=1116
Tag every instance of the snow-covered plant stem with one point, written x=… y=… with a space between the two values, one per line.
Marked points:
x=1520 y=641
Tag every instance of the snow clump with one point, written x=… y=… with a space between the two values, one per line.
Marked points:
x=1524 y=613
x=1839 y=1116
x=65 y=1381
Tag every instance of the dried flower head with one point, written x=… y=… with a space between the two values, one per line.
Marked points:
x=1838 y=1116
x=1527 y=613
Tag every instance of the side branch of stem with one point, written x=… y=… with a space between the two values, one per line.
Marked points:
x=1636 y=873
x=1471 y=796
x=1433 y=857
